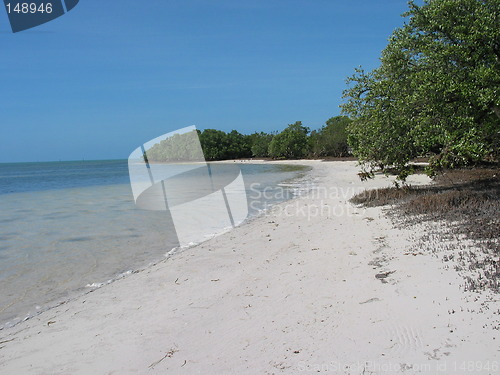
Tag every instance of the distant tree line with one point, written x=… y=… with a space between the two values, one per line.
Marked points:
x=294 y=142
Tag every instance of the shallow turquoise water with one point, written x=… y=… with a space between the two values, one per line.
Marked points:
x=70 y=226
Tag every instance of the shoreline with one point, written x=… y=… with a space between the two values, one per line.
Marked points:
x=282 y=293
x=84 y=289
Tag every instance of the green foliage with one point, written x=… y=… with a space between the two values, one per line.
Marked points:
x=331 y=139
x=218 y=145
x=436 y=91
x=260 y=144
x=213 y=143
x=238 y=145
x=291 y=143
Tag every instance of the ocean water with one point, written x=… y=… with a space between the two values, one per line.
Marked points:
x=68 y=227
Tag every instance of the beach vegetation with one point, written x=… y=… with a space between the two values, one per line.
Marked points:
x=260 y=144
x=461 y=205
x=219 y=145
x=291 y=143
x=436 y=92
x=331 y=139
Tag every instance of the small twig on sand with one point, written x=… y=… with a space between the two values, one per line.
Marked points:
x=169 y=354
x=3 y=342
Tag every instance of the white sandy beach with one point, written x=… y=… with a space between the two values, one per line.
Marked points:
x=294 y=291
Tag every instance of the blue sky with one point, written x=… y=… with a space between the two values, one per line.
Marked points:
x=110 y=75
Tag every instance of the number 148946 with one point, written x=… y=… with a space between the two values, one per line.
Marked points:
x=25 y=8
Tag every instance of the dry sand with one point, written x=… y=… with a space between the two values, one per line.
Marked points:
x=316 y=285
